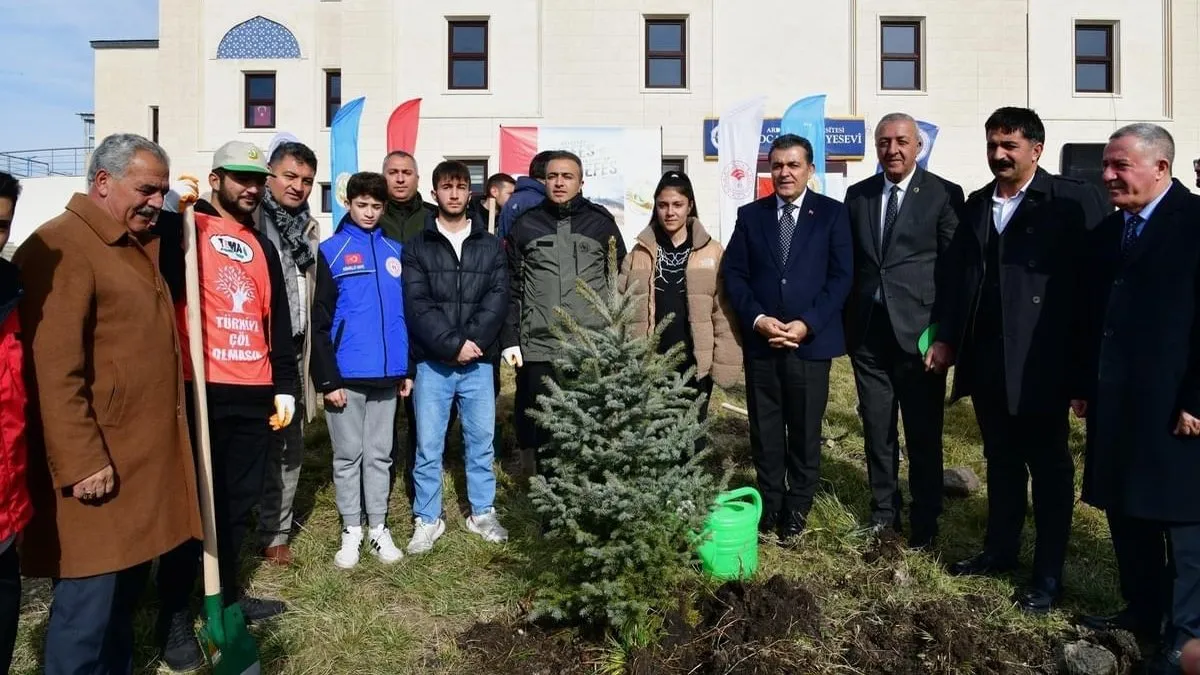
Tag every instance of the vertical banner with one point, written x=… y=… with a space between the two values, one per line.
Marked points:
x=928 y=133
x=621 y=166
x=402 y=127
x=737 y=158
x=343 y=141
x=806 y=118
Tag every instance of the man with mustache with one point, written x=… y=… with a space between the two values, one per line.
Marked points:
x=110 y=467
x=1009 y=330
x=1142 y=393
x=284 y=217
x=250 y=369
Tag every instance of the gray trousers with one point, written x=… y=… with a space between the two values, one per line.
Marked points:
x=362 y=436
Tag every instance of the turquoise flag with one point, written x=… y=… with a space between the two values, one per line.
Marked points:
x=343 y=153
x=806 y=118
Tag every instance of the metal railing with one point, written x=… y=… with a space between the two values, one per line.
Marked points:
x=45 y=162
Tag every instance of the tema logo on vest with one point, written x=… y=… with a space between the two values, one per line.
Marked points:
x=232 y=248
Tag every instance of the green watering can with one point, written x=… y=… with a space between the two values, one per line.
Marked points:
x=730 y=539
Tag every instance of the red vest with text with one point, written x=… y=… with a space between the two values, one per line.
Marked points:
x=235 y=304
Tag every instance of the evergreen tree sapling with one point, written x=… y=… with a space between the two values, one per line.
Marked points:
x=621 y=489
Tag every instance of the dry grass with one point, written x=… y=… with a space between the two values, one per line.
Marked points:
x=405 y=618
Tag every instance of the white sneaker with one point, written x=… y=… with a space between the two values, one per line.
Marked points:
x=488 y=526
x=382 y=546
x=347 y=555
x=424 y=534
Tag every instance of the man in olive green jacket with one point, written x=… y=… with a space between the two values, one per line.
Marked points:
x=405 y=213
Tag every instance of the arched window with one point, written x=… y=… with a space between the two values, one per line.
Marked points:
x=259 y=38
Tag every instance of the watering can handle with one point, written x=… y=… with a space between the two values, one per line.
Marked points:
x=747 y=491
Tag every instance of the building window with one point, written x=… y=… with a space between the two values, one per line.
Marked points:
x=260 y=100
x=326 y=198
x=674 y=164
x=1094 y=58
x=468 y=55
x=333 y=94
x=666 y=53
x=479 y=173
x=154 y=123
x=900 y=55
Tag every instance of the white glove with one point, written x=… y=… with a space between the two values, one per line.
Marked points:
x=285 y=410
x=512 y=356
x=184 y=191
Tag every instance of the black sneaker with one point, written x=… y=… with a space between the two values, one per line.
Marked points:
x=260 y=609
x=177 y=637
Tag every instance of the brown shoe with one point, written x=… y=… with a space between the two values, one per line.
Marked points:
x=280 y=555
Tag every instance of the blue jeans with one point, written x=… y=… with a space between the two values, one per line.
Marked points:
x=436 y=386
x=91 y=623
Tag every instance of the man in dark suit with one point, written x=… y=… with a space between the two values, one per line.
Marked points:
x=1142 y=398
x=1008 y=329
x=787 y=272
x=902 y=221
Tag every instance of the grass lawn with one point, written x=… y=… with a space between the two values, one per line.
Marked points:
x=406 y=618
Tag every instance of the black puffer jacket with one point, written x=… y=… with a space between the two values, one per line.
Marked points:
x=448 y=301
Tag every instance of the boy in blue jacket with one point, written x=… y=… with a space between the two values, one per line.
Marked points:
x=360 y=363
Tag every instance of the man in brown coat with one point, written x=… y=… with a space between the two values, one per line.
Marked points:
x=110 y=462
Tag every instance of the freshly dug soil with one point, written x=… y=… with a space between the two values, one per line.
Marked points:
x=941 y=637
x=502 y=649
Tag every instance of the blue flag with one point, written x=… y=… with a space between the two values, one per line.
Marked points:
x=343 y=153
x=928 y=133
x=806 y=118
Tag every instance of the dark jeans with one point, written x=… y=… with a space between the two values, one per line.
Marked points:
x=786 y=397
x=239 y=455
x=10 y=603
x=91 y=623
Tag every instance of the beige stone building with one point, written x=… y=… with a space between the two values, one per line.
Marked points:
x=224 y=69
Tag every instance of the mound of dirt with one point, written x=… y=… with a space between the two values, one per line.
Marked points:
x=744 y=629
x=941 y=637
x=888 y=547
x=501 y=649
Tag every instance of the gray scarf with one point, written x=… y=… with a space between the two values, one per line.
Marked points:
x=291 y=228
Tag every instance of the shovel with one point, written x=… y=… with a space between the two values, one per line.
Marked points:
x=224 y=637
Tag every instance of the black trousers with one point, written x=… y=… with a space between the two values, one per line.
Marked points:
x=1159 y=568
x=531 y=383
x=786 y=397
x=703 y=388
x=239 y=457
x=1020 y=448
x=91 y=623
x=891 y=381
x=10 y=603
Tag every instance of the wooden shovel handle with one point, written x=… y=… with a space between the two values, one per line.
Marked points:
x=191 y=262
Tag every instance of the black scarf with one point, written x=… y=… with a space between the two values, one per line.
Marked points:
x=291 y=226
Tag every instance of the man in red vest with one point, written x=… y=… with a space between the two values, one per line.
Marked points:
x=251 y=374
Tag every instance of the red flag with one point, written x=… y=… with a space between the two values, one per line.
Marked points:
x=402 y=126
x=518 y=145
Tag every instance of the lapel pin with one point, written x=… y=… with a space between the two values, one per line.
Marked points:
x=810 y=212
x=916 y=190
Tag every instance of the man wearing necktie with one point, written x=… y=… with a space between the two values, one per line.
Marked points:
x=902 y=221
x=787 y=273
x=1142 y=402
x=1009 y=329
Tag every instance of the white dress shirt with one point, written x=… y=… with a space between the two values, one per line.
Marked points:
x=779 y=203
x=1003 y=209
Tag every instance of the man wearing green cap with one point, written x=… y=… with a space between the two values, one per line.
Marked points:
x=251 y=374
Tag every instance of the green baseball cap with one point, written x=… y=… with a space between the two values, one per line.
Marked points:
x=241 y=157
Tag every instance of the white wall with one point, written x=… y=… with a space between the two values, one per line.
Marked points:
x=580 y=62
x=42 y=199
